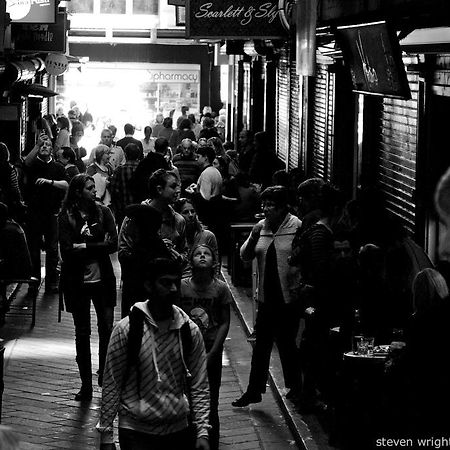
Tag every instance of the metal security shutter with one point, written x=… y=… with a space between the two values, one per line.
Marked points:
x=322 y=124
x=397 y=154
x=294 y=116
x=282 y=143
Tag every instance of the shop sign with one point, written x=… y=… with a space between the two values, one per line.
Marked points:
x=174 y=76
x=236 y=19
x=31 y=11
x=45 y=37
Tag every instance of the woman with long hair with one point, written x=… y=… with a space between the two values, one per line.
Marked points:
x=101 y=172
x=87 y=236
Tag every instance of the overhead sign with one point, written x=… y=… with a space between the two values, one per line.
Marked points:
x=174 y=76
x=46 y=37
x=31 y=11
x=236 y=19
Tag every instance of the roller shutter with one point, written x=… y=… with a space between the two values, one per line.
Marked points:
x=283 y=108
x=322 y=124
x=397 y=154
x=294 y=115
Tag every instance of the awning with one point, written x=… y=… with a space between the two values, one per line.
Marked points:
x=33 y=89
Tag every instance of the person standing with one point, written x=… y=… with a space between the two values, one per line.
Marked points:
x=129 y=138
x=270 y=242
x=155 y=376
x=116 y=153
x=121 y=184
x=44 y=191
x=87 y=236
x=164 y=189
x=207 y=301
x=63 y=136
x=148 y=142
x=101 y=171
x=152 y=162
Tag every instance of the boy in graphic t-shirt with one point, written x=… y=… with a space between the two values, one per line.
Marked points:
x=207 y=301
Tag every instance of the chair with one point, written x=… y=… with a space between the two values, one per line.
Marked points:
x=13 y=310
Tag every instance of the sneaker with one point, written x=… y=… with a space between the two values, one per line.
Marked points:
x=246 y=399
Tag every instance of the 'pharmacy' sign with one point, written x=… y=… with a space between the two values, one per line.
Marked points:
x=235 y=19
x=174 y=76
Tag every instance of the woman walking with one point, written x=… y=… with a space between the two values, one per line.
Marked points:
x=87 y=236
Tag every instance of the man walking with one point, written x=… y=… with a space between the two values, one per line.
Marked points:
x=155 y=375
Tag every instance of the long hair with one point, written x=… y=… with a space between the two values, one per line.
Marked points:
x=178 y=207
x=76 y=185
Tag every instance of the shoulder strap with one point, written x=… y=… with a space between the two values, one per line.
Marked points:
x=186 y=338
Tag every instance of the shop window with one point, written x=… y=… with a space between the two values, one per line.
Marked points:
x=145 y=7
x=112 y=7
x=82 y=6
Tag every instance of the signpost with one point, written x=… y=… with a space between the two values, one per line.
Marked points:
x=236 y=19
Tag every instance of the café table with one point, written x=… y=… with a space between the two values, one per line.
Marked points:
x=361 y=399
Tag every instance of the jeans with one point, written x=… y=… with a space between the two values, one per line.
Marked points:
x=81 y=313
x=43 y=227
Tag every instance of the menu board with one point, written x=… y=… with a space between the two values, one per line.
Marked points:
x=372 y=53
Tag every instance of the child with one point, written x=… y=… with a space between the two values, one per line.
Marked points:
x=207 y=301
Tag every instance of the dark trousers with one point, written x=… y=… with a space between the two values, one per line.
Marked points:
x=43 y=228
x=275 y=323
x=215 y=380
x=81 y=313
x=135 y=440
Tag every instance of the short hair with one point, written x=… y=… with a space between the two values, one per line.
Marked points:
x=128 y=128
x=167 y=122
x=158 y=178
x=99 y=151
x=184 y=109
x=161 y=145
x=64 y=121
x=208 y=122
x=113 y=129
x=69 y=154
x=76 y=127
x=277 y=194
x=207 y=151
x=310 y=188
x=191 y=117
x=132 y=152
x=185 y=123
x=159 y=267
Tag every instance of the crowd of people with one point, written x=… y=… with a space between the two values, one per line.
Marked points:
x=165 y=203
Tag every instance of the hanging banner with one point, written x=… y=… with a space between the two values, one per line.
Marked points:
x=46 y=37
x=238 y=19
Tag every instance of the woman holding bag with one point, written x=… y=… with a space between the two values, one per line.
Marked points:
x=87 y=236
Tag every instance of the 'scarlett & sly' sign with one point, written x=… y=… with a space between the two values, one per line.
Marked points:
x=235 y=19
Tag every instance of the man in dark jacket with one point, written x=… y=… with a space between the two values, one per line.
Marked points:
x=150 y=164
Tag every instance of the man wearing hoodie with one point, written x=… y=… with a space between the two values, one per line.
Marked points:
x=155 y=382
